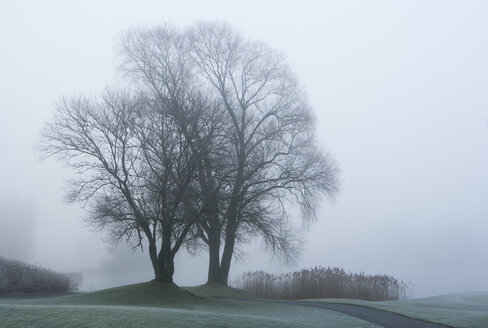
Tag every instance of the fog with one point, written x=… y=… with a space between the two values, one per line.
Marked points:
x=399 y=89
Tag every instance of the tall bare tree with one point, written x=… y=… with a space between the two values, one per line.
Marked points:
x=136 y=172
x=261 y=148
x=273 y=143
x=257 y=151
x=218 y=143
x=161 y=61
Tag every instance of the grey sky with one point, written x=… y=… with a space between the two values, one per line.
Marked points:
x=400 y=92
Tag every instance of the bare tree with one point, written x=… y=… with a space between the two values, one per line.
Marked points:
x=161 y=61
x=257 y=150
x=274 y=153
x=217 y=144
x=135 y=171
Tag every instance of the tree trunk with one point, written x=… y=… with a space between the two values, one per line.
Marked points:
x=214 y=254
x=231 y=229
x=158 y=269
x=165 y=257
x=163 y=269
x=223 y=277
x=211 y=210
x=169 y=269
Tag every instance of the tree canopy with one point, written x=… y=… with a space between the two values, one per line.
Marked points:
x=209 y=146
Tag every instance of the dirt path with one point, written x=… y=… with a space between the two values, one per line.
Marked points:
x=382 y=318
x=379 y=317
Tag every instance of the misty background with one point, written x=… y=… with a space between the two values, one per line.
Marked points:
x=400 y=91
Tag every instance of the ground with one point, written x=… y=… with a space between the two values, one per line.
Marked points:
x=158 y=305
x=161 y=305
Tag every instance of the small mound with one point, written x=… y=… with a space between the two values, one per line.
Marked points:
x=144 y=294
x=217 y=290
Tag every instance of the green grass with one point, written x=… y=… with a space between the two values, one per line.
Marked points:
x=144 y=294
x=216 y=290
x=466 y=310
x=158 y=305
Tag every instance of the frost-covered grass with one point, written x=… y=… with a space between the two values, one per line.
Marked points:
x=467 y=310
x=240 y=315
x=153 y=305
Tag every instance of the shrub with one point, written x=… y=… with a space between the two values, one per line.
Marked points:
x=18 y=278
x=320 y=282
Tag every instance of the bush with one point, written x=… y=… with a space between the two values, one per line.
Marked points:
x=321 y=282
x=18 y=278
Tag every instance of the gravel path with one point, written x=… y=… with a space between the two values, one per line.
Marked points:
x=379 y=317
x=382 y=318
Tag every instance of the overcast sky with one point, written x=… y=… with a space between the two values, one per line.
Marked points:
x=400 y=90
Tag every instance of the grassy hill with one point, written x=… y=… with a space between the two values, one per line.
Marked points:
x=152 y=294
x=216 y=290
x=162 y=305
x=143 y=294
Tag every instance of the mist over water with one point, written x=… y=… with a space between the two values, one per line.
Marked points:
x=399 y=91
x=18 y=228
